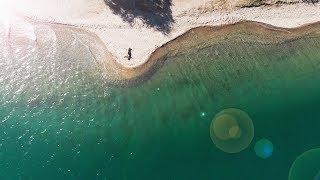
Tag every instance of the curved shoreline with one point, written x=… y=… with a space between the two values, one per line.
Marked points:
x=198 y=37
x=203 y=37
x=118 y=36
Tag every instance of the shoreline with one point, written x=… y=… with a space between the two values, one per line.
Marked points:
x=198 y=37
x=206 y=36
x=118 y=36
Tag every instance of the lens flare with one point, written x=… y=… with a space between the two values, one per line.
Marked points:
x=232 y=130
x=306 y=166
x=264 y=148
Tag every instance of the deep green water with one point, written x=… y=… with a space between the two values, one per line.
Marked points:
x=65 y=122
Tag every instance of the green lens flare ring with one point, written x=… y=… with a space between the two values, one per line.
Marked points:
x=306 y=166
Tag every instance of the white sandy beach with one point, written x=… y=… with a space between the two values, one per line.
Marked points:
x=118 y=35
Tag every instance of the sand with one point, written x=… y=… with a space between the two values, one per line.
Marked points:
x=118 y=35
x=205 y=36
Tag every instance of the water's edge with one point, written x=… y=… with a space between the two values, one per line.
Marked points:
x=205 y=36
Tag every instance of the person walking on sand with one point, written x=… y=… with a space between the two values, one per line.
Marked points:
x=129 y=54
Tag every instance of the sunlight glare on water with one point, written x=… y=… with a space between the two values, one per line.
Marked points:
x=61 y=119
x=42 y=70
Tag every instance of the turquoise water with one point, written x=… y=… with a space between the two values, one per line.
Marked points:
x=59 y=118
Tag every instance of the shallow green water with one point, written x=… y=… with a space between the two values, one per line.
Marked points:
x=68 y=123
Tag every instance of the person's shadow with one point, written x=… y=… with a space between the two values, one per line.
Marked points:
x=155 y=13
